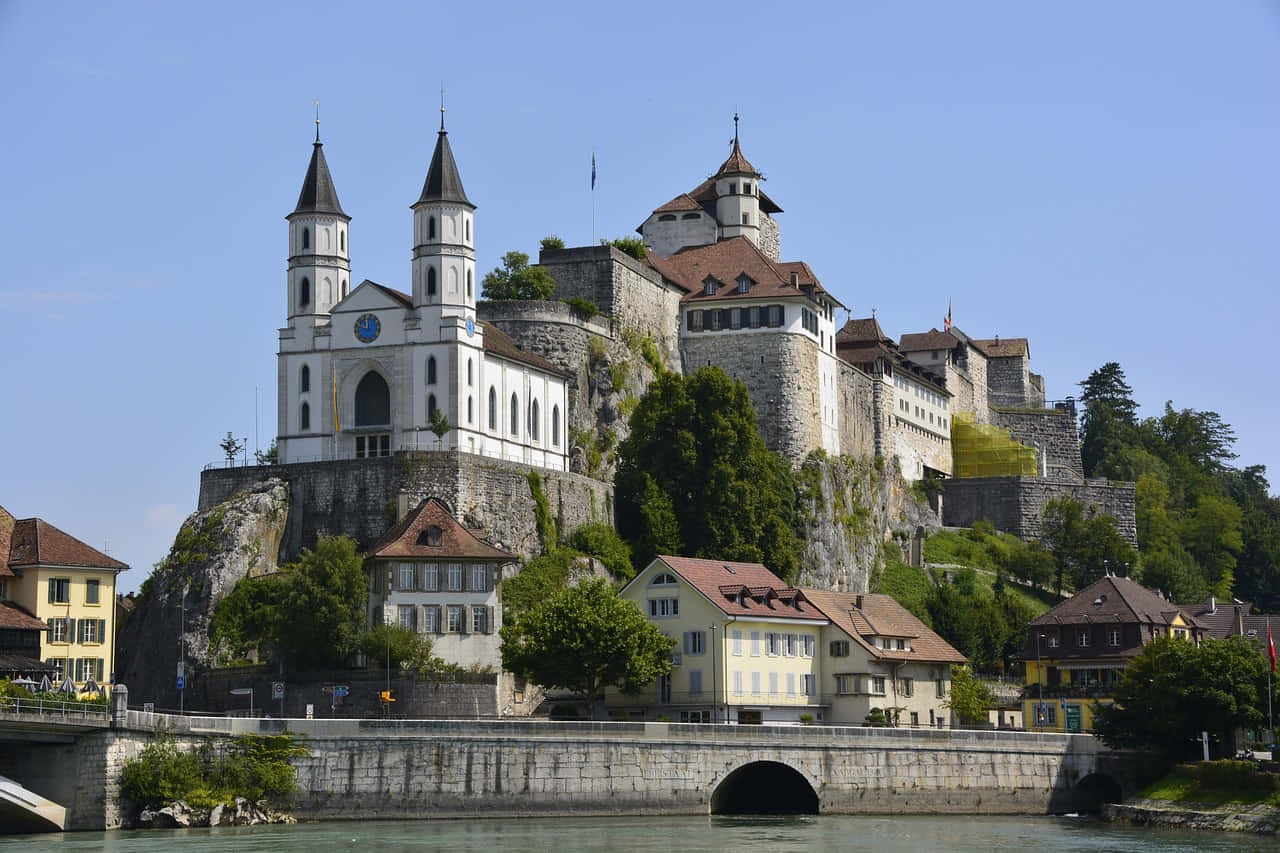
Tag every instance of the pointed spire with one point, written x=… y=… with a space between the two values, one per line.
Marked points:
x=443 y=181
x=318 y=193
x=736 y=164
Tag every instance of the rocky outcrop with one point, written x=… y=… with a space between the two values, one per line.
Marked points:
x=241 y=812
x=851 y=508
x=213 y=550
x=1239 y=817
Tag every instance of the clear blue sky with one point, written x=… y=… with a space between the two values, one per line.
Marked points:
x=1099 y=177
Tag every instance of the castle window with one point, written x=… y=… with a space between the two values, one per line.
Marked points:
x=667 y=217
x=714 y=318
x=470 y=408
x=431 y=370
x=744 y=284
x=431 y=227
x=555 y=426
x=431 y=281
x=373 y=401
x=733 y=189
x=431 y=405
x=691 y=216
x=306 y=238
x=777 y=315
x=746 y=188
x=533 y=420
x=304 y=379
x=753 y=317
x=493 y=408
x=735 y=318
x=515 y=415
x=469 y=371
x=746 y=219
x=304 y=292
x=709 y=286
x=693 y=321
x=304 y=418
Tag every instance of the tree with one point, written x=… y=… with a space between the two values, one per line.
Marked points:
x=603 y=542
x=244 y=618
x=695 y=477
x=1085 y=547
x=1110 y=415
x=586 y=638
x=551 y=243
x=969 y=698
x=516 y=279
x=1030 y=562
x=321 y=609
x=633 y=246
x=404 y=648
x=439 y=424
x=1211 y=534
x=1174 y=690
x=230 y=447
x=270 y=457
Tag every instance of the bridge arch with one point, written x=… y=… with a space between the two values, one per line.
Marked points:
x=1095 y=789
x=764 y=787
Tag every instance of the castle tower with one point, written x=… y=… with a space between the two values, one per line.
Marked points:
x=738 y=195
x=319 y=263
x=444 y=257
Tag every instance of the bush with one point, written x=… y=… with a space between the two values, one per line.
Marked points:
x=257 y=767
x=633 y=246
x=409 y=650
x=162 y=773
x=551 y=242
x=603 y=542
x=584 y=308
x=253 y=767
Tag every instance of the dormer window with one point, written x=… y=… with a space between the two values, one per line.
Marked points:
x=744 y=283
x=709 y=286
x=430 y=537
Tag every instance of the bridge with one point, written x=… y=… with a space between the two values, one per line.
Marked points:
x=28 y=725
x=382 y=769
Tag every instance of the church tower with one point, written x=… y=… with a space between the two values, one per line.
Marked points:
x=738 y=195
x=444 y=256
x=319 y=263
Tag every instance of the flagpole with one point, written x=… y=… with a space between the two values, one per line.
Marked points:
x=1271 y=653
x=593 y=198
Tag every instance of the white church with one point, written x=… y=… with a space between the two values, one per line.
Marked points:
x=364 y=371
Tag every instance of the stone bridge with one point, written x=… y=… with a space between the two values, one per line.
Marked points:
x=376 y=769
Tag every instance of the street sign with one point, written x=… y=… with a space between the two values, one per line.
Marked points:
x=181 y=682
x=277 y=690
x=311 y=710
x=340 y=690
x=180 y=668
x=148 y=707
x=241 y=691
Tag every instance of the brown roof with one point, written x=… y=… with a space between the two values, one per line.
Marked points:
x=35 y=542
x=763 y=594
x=682 y=202
x=881 y=615
x=862 y=329
x=13 y=616
x=1003 y=347
x=1220 y=619
x=1115 y=600
x=499 y=343
x=411 y=537
x=932 y=339
x=6 y=534
x=737 y=164
x=704 y=197
x=725 y=261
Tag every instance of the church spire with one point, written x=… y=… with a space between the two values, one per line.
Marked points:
x=318 y=193
x=443 y=181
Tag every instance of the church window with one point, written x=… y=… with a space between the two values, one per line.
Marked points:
x=431 y=227
x=469 y=372
x=304 y=379
x=515 y=415
x=431 y=405
x=304 y=293
x=555 y=425
x=493 y=408
x=746 y=219
x=342 y=241
x=533 y=420
x=431 y=281
x=304 y=418
x=431 y=370
x=370 y=446
x=453 y=280
x=344 y=288
x=306 y=238
x=470 y=409
x=469 y=284
x=373 y=401
x=468 y=226
x=667 y=217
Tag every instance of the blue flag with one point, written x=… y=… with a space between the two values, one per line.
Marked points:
x=593 y=170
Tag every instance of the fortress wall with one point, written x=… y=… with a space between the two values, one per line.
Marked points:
x=770 y=237
x=1008 y=382
x=857 y=411
x=1016 y=504
x=1054 y=431
x=916 y=447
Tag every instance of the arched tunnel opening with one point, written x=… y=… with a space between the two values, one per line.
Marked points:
x=1095 y=789
x=764 y=788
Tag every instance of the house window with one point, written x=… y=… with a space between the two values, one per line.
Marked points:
x=515 y=415
x=744 y=284
x=737 y=643
x=457 y=619
x=693 y=321
x=902 y=645
x=906 y=686
x=735 y=318
x=406 y=576
x=737 y=681
x=695 y=642
x=1052 y=641
x=877 y=685
x=480 y=578
x=773 y=684
x=493 y=408
x=846 y=684
x=792 y=645
x=57 y=630
x=1082 y=639
x=773 y=644
x=304 y=417
x=755 y=645
x=806 y=645
x=430 y=620
x=304 y=379
x=59 y=590
x=455 y=577
x=663 y=579
x=59 y=666
x=915 y=718
x=431 y=577
x=1046 y=714
x=406 y=616
x=839 y=648
x=88 y=629
x=1113 y=637
x=709 y=287
x=695 y=682
x=91 y=591
x=791 y=684
x=807 y=686
x=940 y=688
x=661 y=607
x=480 y=620
x=755 y=683
x=664 y=689
x=431 y=370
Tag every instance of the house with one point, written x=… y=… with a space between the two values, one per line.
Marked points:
x=433 y=576
x=877 y=654
x=69 y=588
x=748 y=646
x=1076 y=651
x=20 y=644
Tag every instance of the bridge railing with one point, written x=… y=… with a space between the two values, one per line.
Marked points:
x=89 y=711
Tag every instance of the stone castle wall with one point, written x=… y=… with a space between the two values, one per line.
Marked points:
x=770 y=237
x=974 y=366
x=780 y=371
x=1008 y=382
x=858 y=414
x=916 y=447
x=1016 y=504
x=1054 y=431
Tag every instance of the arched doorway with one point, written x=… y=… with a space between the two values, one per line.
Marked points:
x=373 y=401
x=764 y=787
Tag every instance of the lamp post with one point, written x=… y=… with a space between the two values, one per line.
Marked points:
x=715 y=709
x=182 y=651
x=1039 y=682
x=386 y=624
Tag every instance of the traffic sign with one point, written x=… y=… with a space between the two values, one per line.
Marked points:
x=181 y=681
x=340 y=690
x=277 y=690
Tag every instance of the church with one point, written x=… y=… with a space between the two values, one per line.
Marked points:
x=368 y=371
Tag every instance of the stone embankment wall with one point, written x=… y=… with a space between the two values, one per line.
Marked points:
x=1053 y=431
x=1262 y=819
x=1016 y=504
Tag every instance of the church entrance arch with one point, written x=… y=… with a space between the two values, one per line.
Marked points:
x=764 y=787
x=373 y=401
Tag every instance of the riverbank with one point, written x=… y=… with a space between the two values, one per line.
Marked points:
x=1259 y=818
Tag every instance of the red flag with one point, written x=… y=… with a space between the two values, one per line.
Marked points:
x=1271 y=647
x=946 y=324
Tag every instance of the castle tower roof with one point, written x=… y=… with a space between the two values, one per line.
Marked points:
x=736 y=164
x=443 y=181
x=318 y=193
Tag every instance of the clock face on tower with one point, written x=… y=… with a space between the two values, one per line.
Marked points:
x=471 y=326
x=367 y=328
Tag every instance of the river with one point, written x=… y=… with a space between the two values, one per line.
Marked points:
x=685 y=834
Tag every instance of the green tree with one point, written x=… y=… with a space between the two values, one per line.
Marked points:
x=1109 y=416
x=1084 y=546
x=968 y=698
x=586 y=638
x=538 y=580
x=230 y=447
x=603 y=542
x=244 y=618
x=321 y=609
x=633 y=246
x=403 y=648
x=952 y=611
x=270 y=457
x=439 y=424
x=1031 y=562
x=694 y=477
x=1174 y=690
x=551 y=243
x=516 y=279
x=1211 y=534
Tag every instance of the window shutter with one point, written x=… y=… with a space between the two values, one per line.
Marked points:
x=102 y=630
x=440 y=626
x=688 y=641
x=49 y=622
x=79 y=670
x=52 y=587
x=71 y=630
x=488 y=620
x=465 y=628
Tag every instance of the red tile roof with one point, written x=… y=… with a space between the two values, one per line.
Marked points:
x=882 y=616
x=35 y=542
x=932 y=339
x=13 y=616
x=6 y=534
x=411 y=538
x=737 y=164
x=682 y=202
x=764 y=595
x=1003 y=347
x=501 y=344
x=725 y=261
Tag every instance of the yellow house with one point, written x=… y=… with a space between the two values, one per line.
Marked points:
x=748 y=646
x=68 y=586
x=1076 y=651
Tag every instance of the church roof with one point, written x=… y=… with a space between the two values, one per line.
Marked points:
x=318 y=193
x=725 y=261
x=443 y=181
x=430 y=531
x=502 y=345
x=398 y=295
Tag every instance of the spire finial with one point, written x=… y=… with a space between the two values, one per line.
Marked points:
x=735 y=128
x=316 y=103
x=442 y=108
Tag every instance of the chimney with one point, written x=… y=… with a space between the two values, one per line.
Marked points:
x=1239 y=620
x=1213 y=605
x=857 y=601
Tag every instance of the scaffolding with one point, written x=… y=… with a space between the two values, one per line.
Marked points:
x=982 y=450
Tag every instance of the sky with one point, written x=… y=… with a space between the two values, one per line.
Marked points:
x=1100 y=178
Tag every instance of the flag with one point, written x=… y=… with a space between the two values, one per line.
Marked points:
x=946 y=324
x=593 y=171
x=336 y=426
x=1271 y=647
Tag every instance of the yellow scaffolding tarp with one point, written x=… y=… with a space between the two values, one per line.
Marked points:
x=982 y=450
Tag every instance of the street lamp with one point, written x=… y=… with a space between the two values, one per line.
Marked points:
x=182 y=651
x=715 y=709
x=1039 y=683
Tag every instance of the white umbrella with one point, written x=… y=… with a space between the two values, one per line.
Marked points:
x=45 y=684
x=68 y=687
x=91 y=686
x=23 y=682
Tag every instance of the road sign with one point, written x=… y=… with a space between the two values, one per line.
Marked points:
x=181 y=682
x=241 y=691
x=148 y=707
x=311 y=710
x=180 y=668
x=340 y=690
x=277 y=690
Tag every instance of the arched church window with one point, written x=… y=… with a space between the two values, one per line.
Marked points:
x=468 y=284
x=555 y=425
x=373 y=401
x=469 y=372
x=468 y=227
x=431 y=227
x=515 y=414
x=304 y=292
x=344 y=288
x=304 y=418
x=470 y=409
x=342 y=241
x=493 y=408
x=306 y=238
x=533 y=421
x=431 y=370
x=304 y=380
x=431 y=281
x=431 y=406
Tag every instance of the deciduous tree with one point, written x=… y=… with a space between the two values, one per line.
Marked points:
x=516 y=279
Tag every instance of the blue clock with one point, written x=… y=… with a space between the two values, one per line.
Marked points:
x=367 y=328
x=471 y=326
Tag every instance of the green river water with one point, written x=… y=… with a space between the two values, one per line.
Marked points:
x=666 y=834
